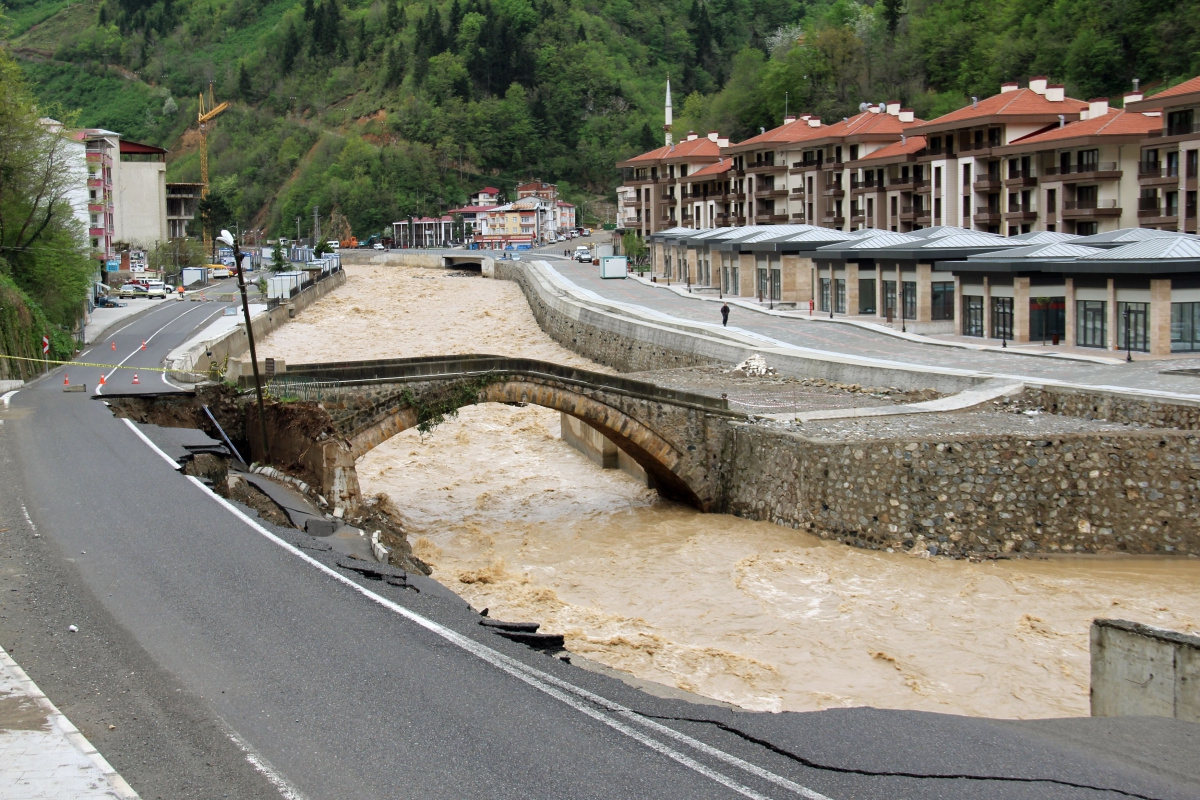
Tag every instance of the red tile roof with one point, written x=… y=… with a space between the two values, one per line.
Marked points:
x=1164 y=98
x=470 y=209
x=719 y=168
x=488 y=190
x=788 y=133
x=1117 y=122
x=1018 y=104
x=913 y=144
x=700 y=148
x=866 y=124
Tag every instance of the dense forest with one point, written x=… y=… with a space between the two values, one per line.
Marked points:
x=384 y=108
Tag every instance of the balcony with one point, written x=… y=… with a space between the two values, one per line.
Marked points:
x=1186 y=129
x=833 y=190
x=1089 y=209
x=1020 y=179
x=1020 y=213
x=977 y=149
x=767 y=169
x=833 y=218
x=667 y=200
x=765 y=193
x=797 y=194
x=896 y=183
x=1153 y=173
x=857 y=214
x=991 y=183
x=990 y=215
x=865 y=185
x=770 y=219
x=922 y=186
x=908 y=213
x=1102 y=171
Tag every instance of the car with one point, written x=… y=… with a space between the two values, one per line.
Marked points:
x=132 y=290
x=378 y=246
x=218 y=271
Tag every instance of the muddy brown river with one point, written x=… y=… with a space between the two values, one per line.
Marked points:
x=751 y=613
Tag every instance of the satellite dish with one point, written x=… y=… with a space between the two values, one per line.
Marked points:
x=863 y=107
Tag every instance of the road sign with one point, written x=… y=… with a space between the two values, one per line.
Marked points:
x=45 y=345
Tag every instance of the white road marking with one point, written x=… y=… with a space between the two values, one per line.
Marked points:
x=9 y=396
x=164 y=374
x=100 y=388
x=25 y=511
x=542 y=681
x=263 y=767
x=174 y=464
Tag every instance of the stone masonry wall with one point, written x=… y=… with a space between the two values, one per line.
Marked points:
x=592 y=338
x=1118 y=408
x=1134 y=492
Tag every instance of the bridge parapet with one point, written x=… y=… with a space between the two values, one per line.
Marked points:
x=675 y=436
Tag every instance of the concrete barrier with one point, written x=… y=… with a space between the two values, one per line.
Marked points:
x=1139 y=670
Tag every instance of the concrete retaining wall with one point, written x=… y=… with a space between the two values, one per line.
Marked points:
x=596 y=446
x=235 y=343
x=1134 y=492
x=1138 y=670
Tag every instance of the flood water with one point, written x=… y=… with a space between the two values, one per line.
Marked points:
x=751 y=613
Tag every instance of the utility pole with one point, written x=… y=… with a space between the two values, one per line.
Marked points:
x=316 y=225
x=262 y=419
x=297 y=231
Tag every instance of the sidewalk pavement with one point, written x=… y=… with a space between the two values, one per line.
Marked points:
x=44 y=756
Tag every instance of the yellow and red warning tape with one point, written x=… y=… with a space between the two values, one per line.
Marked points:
x=86 y=364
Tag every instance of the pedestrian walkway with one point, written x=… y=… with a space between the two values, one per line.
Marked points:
x=818 y=337
x=42 y=755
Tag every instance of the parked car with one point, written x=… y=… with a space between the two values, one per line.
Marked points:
x=378 y=246
x=583 y=254
x=135 y=290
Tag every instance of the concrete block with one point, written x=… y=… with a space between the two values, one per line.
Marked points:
x=1139 y=670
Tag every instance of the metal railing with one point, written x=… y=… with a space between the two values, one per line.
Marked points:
x=1083 y=169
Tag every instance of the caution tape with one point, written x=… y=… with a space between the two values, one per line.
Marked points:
x=86 y=364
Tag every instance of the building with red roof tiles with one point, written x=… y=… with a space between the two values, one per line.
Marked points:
x=1076 y=177
x=649 y=197
x=487 y=196
x=1169 y=162
x=882 y=185
x=959 y=179
x=704 y=196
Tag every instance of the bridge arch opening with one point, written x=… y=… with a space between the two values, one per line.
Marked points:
x=661 y=461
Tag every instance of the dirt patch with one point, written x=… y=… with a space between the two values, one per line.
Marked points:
x=22 y=714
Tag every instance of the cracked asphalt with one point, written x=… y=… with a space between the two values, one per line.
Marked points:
x=202 y=638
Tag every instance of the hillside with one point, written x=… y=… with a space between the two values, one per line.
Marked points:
x=383 y=108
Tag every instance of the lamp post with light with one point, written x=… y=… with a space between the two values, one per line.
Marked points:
x=227 y=239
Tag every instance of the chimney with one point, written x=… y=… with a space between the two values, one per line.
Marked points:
x=1062 y=120
x=1097 y=107
x=906 y=115
x=1011 y=86
x=691 y=136
x=875 y=109
x=814 y=122
x=789 y=120
x=1038 y=84
x=974 y=101
x=723 y=142
x=1133 y=97
x=1136 y=83
x=1055 y=93
x=713 y=136
x=893 y=107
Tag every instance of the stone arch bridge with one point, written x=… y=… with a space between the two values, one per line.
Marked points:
x=672 y=435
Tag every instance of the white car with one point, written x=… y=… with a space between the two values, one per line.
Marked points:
x=378 y=246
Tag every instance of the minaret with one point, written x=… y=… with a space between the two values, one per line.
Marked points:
x=667 y=126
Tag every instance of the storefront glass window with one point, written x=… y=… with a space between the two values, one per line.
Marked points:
x=1091 y=323
x=1185 y=327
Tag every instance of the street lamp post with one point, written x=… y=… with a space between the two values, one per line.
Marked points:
x=1128 y=347
x=227 y=238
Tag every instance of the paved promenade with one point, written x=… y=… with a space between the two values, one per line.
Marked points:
x=823 y=337
x=43 y=756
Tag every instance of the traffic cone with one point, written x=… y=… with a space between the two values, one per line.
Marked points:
x=135 y=379
x=66 y=380
x=114 y=346
x=101 y=378
x=143 y=344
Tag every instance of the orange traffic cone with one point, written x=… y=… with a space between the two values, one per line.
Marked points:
x=101 y=378
x=66 y=380
x=135 y=379
x=143 y=344
x=114 y=345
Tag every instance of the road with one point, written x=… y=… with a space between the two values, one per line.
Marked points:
x=231 y=663
x=798 y=330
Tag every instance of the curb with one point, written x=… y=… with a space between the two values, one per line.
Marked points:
x=877 y=328
x=70 y=732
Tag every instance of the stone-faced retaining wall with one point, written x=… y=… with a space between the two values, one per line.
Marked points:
x=1114 y=407
x=1134 y=492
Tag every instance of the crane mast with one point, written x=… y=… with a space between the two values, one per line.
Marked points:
x=207 y=113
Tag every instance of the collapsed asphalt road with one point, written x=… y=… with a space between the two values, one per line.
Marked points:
x=237 y=659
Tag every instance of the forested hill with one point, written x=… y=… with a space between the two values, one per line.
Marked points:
x=382 y=108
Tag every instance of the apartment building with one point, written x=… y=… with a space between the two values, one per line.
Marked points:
x=883 y=186
x=654 y=182
x=759 y=173
x=963 y=181
x=1168 y=168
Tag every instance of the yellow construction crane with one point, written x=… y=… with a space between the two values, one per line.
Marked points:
x=208 y=112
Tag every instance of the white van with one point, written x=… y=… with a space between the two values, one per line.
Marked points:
x=583 y=254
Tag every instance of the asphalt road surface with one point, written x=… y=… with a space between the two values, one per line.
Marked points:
x=230 y=662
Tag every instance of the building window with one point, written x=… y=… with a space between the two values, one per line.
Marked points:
x=1091 y=321
x=941 y=300
x=735 y=281
x=1185 y=327
x=910 y=299
x=889 y=300
x=937 y=209
x=937 y=177
x=1047 y=318
x=972 y=315
x=1171 y=204
x=1051 y=201
x=966 y=174
x=1133 y=326
x=1087 y=228
x=866 y=295
x=839 y=296
x=1002 y=317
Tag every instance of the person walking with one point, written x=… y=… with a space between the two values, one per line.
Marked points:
x=724 y=315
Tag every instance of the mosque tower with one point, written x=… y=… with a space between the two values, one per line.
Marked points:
x=667 y=126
